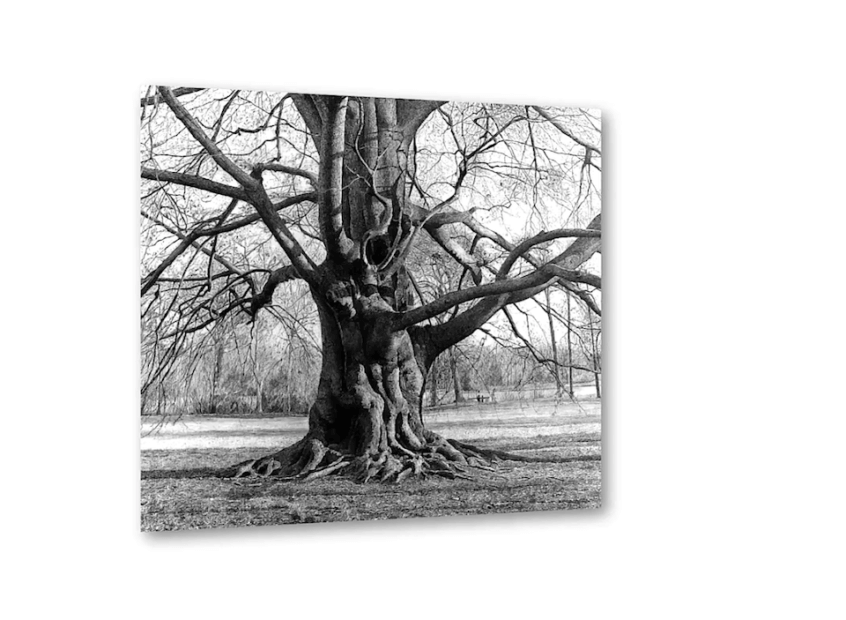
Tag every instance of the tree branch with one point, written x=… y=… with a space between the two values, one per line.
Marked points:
x=457 y=252
x=437 y=338
x=177 y=92
x=572 y=275
x=411 y=113
x=330 y=186
x=308 y=110
x=536 y=280
x=190 y=180
x=565 y=131
x=188 y=240
x=190 y=123
x=301 y=261
x=255 y=193
x=258 y=169
x=519 y=251
x=277 y=277
x=250 y=219
x=585 y=297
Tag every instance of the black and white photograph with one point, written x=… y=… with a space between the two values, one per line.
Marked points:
x=457 y=310
x=358 y=308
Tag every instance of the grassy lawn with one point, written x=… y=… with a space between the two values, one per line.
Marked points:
x=176 y=492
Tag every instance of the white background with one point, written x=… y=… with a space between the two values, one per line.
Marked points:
x=723 y=229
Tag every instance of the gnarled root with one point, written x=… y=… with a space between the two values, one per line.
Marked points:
x=309 y=459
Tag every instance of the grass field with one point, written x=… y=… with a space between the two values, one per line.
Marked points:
x=178 y=493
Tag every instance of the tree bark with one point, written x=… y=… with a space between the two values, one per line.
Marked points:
x=366 y=419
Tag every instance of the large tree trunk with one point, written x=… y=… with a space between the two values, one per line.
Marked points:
x=366 y=419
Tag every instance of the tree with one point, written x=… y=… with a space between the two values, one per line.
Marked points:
x=349 y=190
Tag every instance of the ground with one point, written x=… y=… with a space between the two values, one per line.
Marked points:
x=178 y=492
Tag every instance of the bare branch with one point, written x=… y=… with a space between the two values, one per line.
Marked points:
x=255 y=217
x=258 y=169
x=200 y=136
x=330 y=186
x=254 y=194
x=190 y=180
x=584 y=296
x=457 y=252
x=277 y=277
x=301 y=261
x=440 y=337
x=537 y=280
x=188 y=240
x=572 y=275
x=308 y=110
x=565 y=131
x=177 y=92
x=542 y=237
x=411 y=113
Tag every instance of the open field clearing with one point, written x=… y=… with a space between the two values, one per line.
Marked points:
x=179 y=492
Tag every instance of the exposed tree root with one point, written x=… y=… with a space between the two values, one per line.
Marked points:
x=310 y=459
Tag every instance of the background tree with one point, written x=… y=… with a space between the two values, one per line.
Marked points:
x=245 y=191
